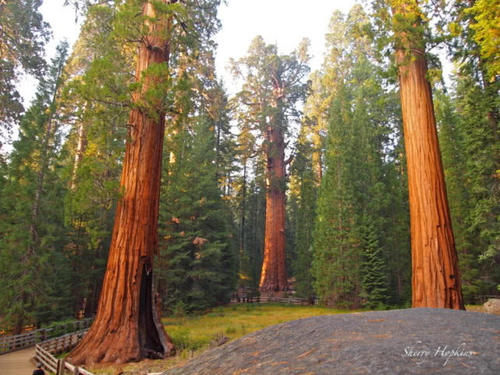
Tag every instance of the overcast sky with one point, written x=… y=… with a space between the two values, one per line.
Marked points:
x=284 y=22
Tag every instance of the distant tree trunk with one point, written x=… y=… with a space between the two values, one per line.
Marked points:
x=243 y=208
x=273 y=277
x=126 y=327
x=435 y=274
x=316 y=157
x=80 y=150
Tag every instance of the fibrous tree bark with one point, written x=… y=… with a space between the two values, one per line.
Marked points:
x=435 y=274
x=127 y=327
x=273 y=276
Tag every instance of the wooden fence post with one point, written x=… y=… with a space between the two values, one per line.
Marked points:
x=60 y=367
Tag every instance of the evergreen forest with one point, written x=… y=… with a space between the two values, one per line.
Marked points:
x=295 y=184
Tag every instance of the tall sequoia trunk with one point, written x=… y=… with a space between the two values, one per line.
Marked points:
x=273 y=277
x=435 y=274
x=126 y=327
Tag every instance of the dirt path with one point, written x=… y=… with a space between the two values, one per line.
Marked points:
x=17 y=363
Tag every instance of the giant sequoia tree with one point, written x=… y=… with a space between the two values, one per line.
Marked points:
x=435 y=277
x=126 y=327
x=98 y=116
x=273 y=85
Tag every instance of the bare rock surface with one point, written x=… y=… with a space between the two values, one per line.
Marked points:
x=411 y=341
x=492 y=306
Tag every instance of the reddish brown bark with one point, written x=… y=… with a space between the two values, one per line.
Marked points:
x=435 y=274
x=273 y=276
x=126 y=327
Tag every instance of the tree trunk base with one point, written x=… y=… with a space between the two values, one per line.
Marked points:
x=272 y=293
x=128 y=337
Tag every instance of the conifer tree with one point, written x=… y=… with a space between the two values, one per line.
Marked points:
x=167 y=31
x=23 y=34
x=95 y=103
x=273 y=84
x=133 y=331
x=475 y=125
x=360 y=178
x=31 y=239
x=373 y=269
x=302 y=209
x=436 y=279
x=197 y=254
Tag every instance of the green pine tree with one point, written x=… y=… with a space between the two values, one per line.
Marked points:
x=364 y=181
x=302 y=207
x=22 y=39
x=373 y=270
x=198 y=260
x=33 y=235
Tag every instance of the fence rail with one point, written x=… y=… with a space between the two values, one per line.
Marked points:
x=63 y=343
x=44 y=357
x=24 y=340
x=47 y=349
x=44 y=353
x=269 y=299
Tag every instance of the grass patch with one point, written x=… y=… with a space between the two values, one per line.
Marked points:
x=476 y=308
x=194 y=334
x=197 y=332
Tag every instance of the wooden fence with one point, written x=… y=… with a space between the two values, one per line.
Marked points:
x=47 y=349
x=24 y=340
x=44 y=354
x=268 y=299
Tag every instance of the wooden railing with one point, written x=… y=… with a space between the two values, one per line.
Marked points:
x=268 y=299
x=44 y=353
x=63 y=343
x=24 y=340
x=47 y=360
x=17 y=342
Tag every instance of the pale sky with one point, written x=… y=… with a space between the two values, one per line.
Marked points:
x=281 y=22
